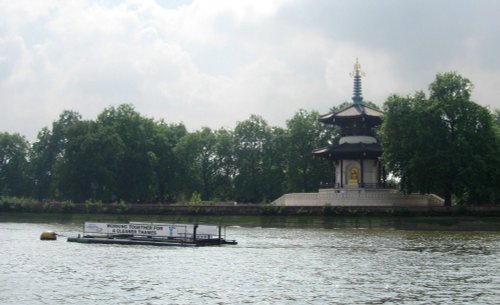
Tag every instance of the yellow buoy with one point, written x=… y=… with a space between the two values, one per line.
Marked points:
x=48 y=235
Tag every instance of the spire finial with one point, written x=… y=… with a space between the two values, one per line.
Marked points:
x=357 y=97
x=357 y=70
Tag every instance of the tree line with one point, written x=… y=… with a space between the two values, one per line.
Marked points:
x=123 y=156
x=444 y=144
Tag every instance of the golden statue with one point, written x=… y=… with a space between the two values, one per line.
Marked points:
x=354 y=174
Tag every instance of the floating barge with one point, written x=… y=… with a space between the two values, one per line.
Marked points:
x=152 y=234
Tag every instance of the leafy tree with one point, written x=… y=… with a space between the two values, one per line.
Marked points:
x=496 y=118
x=207 y=164
x=136 y=179
x=88 y=170
x=168 y=167
x=401 y=139
x=120 y=156
x=250 y=140
x=304 y=134
x=45 y=152
x=14 y=175
x=224 y=148
x=198 y=156
x=444 y=144
x=274 y=164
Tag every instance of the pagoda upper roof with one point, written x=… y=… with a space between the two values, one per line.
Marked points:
x=351 y=112
x=350 y=150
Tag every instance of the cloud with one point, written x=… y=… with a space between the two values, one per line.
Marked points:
x=213 y=63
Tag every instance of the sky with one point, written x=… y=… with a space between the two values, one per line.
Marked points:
x=214 y=63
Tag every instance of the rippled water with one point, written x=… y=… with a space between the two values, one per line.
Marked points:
x=268 y=266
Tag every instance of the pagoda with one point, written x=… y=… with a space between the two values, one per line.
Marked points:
x=356 y=155
x=359 y=178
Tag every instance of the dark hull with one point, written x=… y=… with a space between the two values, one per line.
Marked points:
x=151 y=242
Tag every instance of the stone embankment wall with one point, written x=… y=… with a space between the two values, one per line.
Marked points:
x=359 y=197
x=223 y=209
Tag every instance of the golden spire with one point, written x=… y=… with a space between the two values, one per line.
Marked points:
x=357 y=97
x=357 y=70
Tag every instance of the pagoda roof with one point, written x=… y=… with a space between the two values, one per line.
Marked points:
x=350 y=150
x=351 y=112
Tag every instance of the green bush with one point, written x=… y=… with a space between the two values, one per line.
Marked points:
x=28 y=205
x=94 y=207
x=328 y=209
x=19 y=204
x=123 y=208
x=67 y=206
x=49 y=207
x=195 y=198
x=268 y=209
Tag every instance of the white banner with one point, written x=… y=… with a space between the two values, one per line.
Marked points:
x=149 y=229
x=211 y=230
x=208 y=230
x=155 y=230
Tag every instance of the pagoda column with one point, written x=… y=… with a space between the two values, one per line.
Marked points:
x=362 y=180
x=341 y=173
x=332 y=166
x=383 y=176
x=379 y=174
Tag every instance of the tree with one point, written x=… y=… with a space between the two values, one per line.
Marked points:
x=197 y=154
x=304 y=134
x=168 y=168
x=45 y=152
x=89 y=167
x=136 y=179
x=403 y=133
x=444 y=144
x=207 y=163
x=225 y=170
x=14 y=176
x=250 y=140
x=274 y=165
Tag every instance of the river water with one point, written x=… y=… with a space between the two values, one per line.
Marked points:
x=268 y=266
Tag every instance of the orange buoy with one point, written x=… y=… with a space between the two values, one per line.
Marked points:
x=48 y=235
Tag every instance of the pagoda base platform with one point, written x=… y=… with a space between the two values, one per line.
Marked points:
x=359 y=197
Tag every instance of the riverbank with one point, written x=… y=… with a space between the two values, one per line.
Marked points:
x=466 y=218
x=398 y=222
x=228 y=209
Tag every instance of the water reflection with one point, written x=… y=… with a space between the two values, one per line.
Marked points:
x=281 y=265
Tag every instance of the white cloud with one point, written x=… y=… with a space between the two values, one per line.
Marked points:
x=213 y=63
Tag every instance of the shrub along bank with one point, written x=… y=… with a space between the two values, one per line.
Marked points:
x=224 y=208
